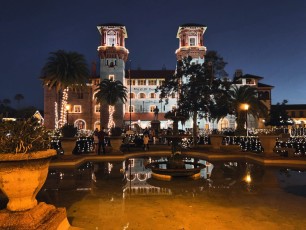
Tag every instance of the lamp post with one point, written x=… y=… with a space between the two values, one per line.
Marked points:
x=67 y=112
x=246 y=108
x=130 y=108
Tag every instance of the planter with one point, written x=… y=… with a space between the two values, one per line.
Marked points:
x=68 y=145
x=268 y=143
x=22 y=176
x=216 y=140
x=116 y=142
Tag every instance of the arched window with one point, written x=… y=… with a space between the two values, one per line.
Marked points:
x=97 y=125
x=152 y=95
x=80 y=124
x=223 y=124
x=132 y=95
x=142 y=95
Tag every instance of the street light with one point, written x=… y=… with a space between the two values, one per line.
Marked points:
x=67 y=112
x=245 y=107
x=130 y=96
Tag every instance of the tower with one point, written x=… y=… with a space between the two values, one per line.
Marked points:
x=113 y=55
x=191 y=42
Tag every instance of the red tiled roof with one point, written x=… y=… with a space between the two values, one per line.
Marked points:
x=143 y=116
x=264 y=85
x=148 y=73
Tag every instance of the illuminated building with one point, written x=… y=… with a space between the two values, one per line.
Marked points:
x=84 y=112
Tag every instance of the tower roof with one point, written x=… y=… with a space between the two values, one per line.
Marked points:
x=113 y=25
x=191 y=25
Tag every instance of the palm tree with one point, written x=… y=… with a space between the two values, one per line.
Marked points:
x=110 y=92
x=18 y=97
x=245 y=95
x=63 y=70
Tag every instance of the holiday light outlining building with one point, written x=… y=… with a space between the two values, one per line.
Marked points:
x=84 y=112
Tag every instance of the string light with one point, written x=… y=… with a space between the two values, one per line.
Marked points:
x=111 y=123
x=56 y=116
x=63 y=115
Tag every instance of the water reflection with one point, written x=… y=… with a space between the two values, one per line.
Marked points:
x=131 y=177
x=100 y=194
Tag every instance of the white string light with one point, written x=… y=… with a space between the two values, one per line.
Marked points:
x=56 y=115
x=111 y=123
x=63 y=116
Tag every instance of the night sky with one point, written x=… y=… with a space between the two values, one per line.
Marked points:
x=266 y=38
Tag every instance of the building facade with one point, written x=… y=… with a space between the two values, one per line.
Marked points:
x=84 y=112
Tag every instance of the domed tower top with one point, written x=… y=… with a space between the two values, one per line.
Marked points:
x=112 y=41
x=191 y=42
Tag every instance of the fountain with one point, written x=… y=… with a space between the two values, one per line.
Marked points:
x=175 y=165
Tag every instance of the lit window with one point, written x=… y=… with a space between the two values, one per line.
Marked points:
x=152 y=95
x=77 y=108
x=111 y=77
x=142 y=95
x=141 y=82
x=132 y=95
x=133 y=82
x=80 y=124
x=192 y=41
x=131 y=109
x=111 y=38
x=97 y=109
x=152 y=82
x=161 y=82
x=152 y=108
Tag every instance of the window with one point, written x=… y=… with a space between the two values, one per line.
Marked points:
x=132 y=95
x=192 y=41
x=141 y=82
x=301 y=114
x=142 y=95
x=152 y=82
x=80 y=124
x=293 y=114
x=152 y=95
x=111 y=38
x=132 y=81
x=131 y=109
x=152 y=108
x=250 y=81
x=111 y=77
x=161 y=82
x=97 y=109
x=77 y=109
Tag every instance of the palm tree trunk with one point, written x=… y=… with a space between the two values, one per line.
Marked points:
x=240 y=121
x=195 y=128
x=111 y=110
x=63 y=111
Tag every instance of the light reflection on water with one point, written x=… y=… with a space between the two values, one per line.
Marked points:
x=116 y=193
x=132 y=177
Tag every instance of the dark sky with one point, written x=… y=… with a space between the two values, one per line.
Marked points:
x=265 y=38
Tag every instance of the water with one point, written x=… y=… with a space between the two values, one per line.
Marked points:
x=229 y=195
